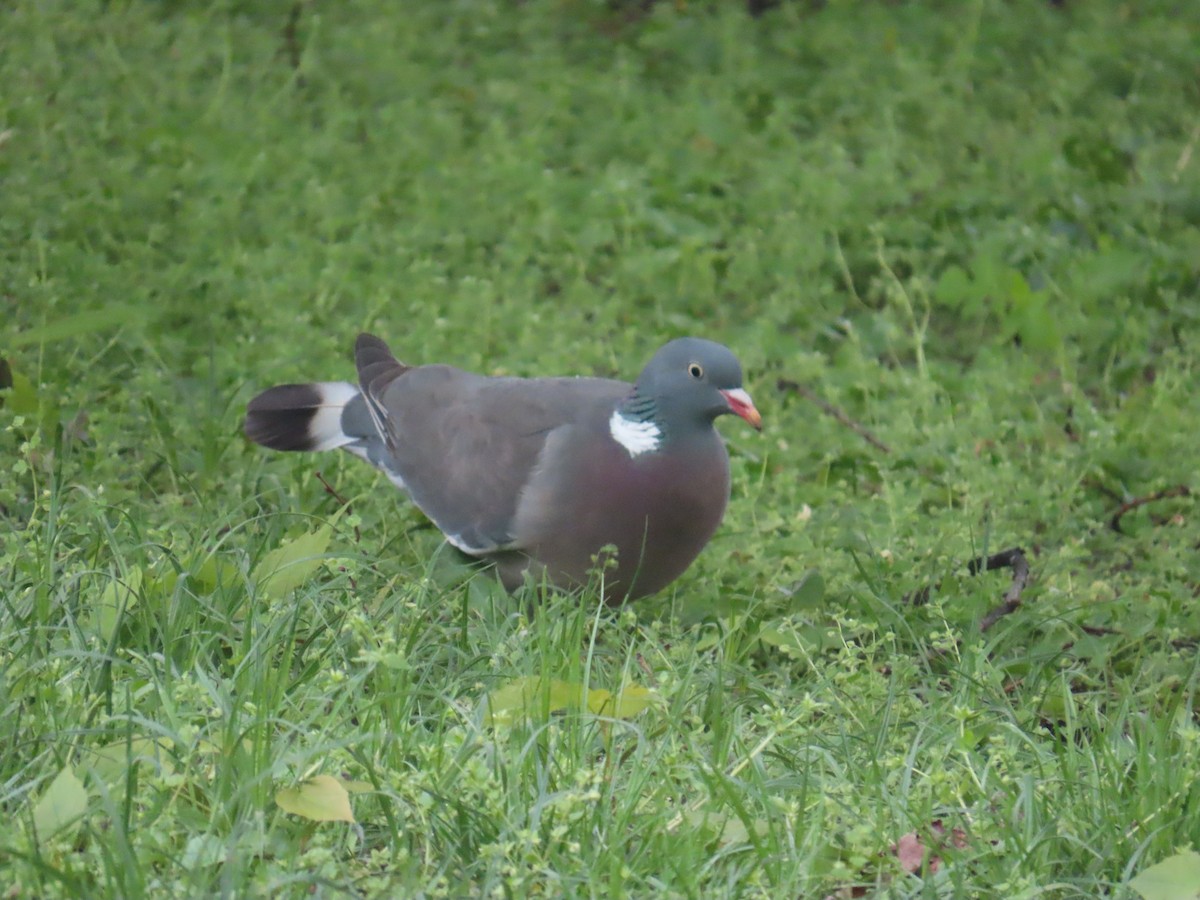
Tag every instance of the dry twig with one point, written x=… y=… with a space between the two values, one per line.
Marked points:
x=1014 y=559
x=785 y=384
x=329 y=489
x=1179 y=490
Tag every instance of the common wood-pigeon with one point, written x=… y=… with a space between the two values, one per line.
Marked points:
x=538 y=475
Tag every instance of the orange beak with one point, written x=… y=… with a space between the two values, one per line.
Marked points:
x=740 y=404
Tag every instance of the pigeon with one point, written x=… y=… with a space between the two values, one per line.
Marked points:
x=542 y=477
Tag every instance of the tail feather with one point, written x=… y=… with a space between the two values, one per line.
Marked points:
x=302 y=416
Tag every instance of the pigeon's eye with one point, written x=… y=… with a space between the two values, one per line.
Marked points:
x=696 y=370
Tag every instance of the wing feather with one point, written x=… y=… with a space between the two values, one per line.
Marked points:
x=466 y=445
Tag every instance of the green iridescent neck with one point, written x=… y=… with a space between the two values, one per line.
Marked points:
x=639 y=408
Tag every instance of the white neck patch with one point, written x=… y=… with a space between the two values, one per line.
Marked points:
x=636 y=437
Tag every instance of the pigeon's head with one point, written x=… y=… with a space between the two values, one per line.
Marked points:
x=692 y=381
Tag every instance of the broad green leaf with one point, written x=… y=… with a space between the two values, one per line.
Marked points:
x=1175 y=878
x=1053 y=706
x=118 y=597
x=817 y=638
x=160 y=584
x=24 y=398
x=1112 y=269
x=807 y=593
x=1031 y=317
x=708 y=639
x=292 y=563
x=203 y=850
x=17 y=391
x=954 y=287
x=851 y=533
x=213 y=572
x=786 y=642
x=627 y=703
x=734 y=831
x=991 y=276
x=322 y=799
x=1020 y=295
x=799 y=641
x=113 y=761
x=62 y=805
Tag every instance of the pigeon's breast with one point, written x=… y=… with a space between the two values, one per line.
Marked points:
x=658 y=509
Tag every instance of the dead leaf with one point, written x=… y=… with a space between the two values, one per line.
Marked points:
x=910 y=852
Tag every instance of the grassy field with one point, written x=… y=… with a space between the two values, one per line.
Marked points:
x=971 y=229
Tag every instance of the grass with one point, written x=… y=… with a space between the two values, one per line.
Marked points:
x=972 y=227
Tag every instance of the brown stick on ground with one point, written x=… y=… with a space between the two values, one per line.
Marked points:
x=1180 y=490
x=329 y=489
x=1013 y=558
x=786 y=384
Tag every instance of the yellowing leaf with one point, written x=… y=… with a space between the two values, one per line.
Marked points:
x=525 y=696
x=599 y=701
x=322 y=799
x=118 y=596
x=1175 y=878
x=289 y=565
x=62 y=805
x=724 y=827
x=533 y=695
x=627 y=703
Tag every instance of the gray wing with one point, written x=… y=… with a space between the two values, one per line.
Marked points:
x=377 y=369
x=465 y=445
